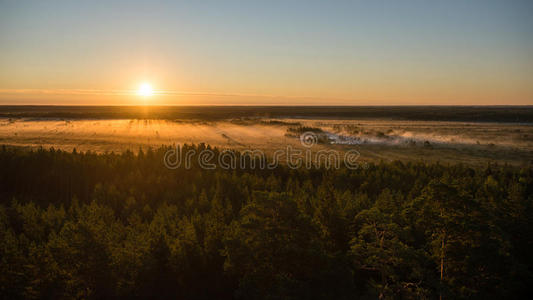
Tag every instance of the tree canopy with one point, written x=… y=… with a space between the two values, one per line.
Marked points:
x=98 y=226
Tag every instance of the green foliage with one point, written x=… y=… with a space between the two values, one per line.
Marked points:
x=82 y=225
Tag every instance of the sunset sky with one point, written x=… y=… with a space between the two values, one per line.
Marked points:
x=393 y=52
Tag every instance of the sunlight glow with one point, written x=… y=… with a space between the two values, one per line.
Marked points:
x=145 y=90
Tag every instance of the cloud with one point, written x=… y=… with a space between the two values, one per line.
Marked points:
x=207 y=98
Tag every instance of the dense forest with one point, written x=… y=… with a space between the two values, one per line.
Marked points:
x=99 y=226
x=508 y=114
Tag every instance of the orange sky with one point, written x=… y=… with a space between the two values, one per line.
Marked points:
x=297 y=53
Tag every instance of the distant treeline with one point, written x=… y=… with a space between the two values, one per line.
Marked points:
x=515 y=114
x=102 y=226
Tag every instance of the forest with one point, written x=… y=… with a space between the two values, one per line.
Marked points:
x=120 y=225
x=501 y=113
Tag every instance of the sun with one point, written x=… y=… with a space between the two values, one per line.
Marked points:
x=145 y=90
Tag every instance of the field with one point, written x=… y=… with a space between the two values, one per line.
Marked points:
x=432 y=134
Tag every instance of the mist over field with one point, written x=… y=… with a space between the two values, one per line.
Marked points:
x=376 y=138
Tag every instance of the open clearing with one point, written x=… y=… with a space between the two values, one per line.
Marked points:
x=376 y=140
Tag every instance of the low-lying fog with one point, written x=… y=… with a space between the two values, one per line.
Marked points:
x=394 y=138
